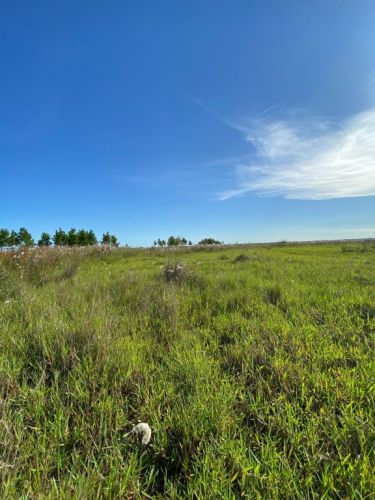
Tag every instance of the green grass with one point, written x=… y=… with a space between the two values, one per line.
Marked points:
x=254 y=367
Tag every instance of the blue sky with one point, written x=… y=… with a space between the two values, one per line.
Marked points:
x=241 y=120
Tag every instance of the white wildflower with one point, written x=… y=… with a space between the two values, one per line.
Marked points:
x=143 y=429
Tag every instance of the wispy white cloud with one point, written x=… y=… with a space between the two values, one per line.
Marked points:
x=311 y=159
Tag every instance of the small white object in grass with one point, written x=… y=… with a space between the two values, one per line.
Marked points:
x=143 y=429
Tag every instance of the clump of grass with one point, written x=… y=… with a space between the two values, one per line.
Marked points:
x=273 y=295
x=180 y=273
x=69 y=271
x=177 y=272
x=241 y=258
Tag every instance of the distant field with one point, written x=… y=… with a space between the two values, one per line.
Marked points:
x=253 y=366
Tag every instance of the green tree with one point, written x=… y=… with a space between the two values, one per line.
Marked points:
x=82 y=238
x=25 y=237
x=91 y=238
x=109 y=239
x=60 y=237
x=106 y=239
x=72 y=237
x=209 y=241
x=4 y=238
x=114 y=241
x=13 y=239
x=45 y=240
x=160 y=243
x=176 y=241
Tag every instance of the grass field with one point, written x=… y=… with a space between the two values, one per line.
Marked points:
x=253 y=366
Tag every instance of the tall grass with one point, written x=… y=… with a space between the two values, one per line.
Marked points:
x=255 y=373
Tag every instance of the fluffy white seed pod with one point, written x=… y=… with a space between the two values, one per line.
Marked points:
x=143 y=429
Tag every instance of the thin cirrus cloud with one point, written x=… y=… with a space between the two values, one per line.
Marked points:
x=308 y=160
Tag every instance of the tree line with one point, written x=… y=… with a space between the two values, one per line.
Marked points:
x=23 y=237
x=174 y=241
x=60 y=238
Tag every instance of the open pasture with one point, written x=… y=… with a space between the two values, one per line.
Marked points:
x=253 y=366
